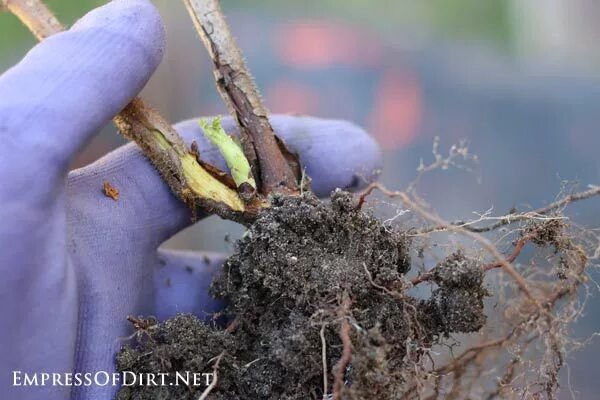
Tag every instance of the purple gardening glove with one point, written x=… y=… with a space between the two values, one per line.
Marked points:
x=75 y=263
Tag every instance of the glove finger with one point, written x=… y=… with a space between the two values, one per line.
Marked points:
x=69 y=86
x=335 y=154
x=181 y=283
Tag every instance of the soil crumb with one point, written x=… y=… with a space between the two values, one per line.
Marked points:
x=110 y=191
x=304 y=270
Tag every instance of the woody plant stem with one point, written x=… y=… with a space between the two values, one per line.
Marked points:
x=273 y=166
x=193 y=181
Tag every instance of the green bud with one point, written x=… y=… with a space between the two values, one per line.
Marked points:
x=234 y=157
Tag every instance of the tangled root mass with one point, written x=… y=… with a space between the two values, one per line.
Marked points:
x=302 y=269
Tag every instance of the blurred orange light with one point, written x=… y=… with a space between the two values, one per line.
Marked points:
x=397 y=110
x=319 y=44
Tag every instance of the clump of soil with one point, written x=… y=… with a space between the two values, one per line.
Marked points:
x=548 y=233
x=457 y=304
x=306 y=276
x=552 y=234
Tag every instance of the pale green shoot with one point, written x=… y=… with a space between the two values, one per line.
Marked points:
x=234 y=156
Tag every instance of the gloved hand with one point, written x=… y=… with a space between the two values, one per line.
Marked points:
x=73 y=262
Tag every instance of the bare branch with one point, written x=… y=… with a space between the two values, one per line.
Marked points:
x=192 y=183
x=267 y=154
x=35 y=15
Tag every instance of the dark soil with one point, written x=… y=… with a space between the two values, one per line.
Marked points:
x=304 y=268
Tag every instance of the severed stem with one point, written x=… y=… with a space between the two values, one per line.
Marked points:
x=160 y=142
x=273 y=166
x=178 y=166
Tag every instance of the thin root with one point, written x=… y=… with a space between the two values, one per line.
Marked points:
x=214 y=381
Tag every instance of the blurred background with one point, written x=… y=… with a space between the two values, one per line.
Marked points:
x=518 y=79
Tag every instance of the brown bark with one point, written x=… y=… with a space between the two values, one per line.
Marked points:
x=274 y=167
x=151 y=132
x=142 y=124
